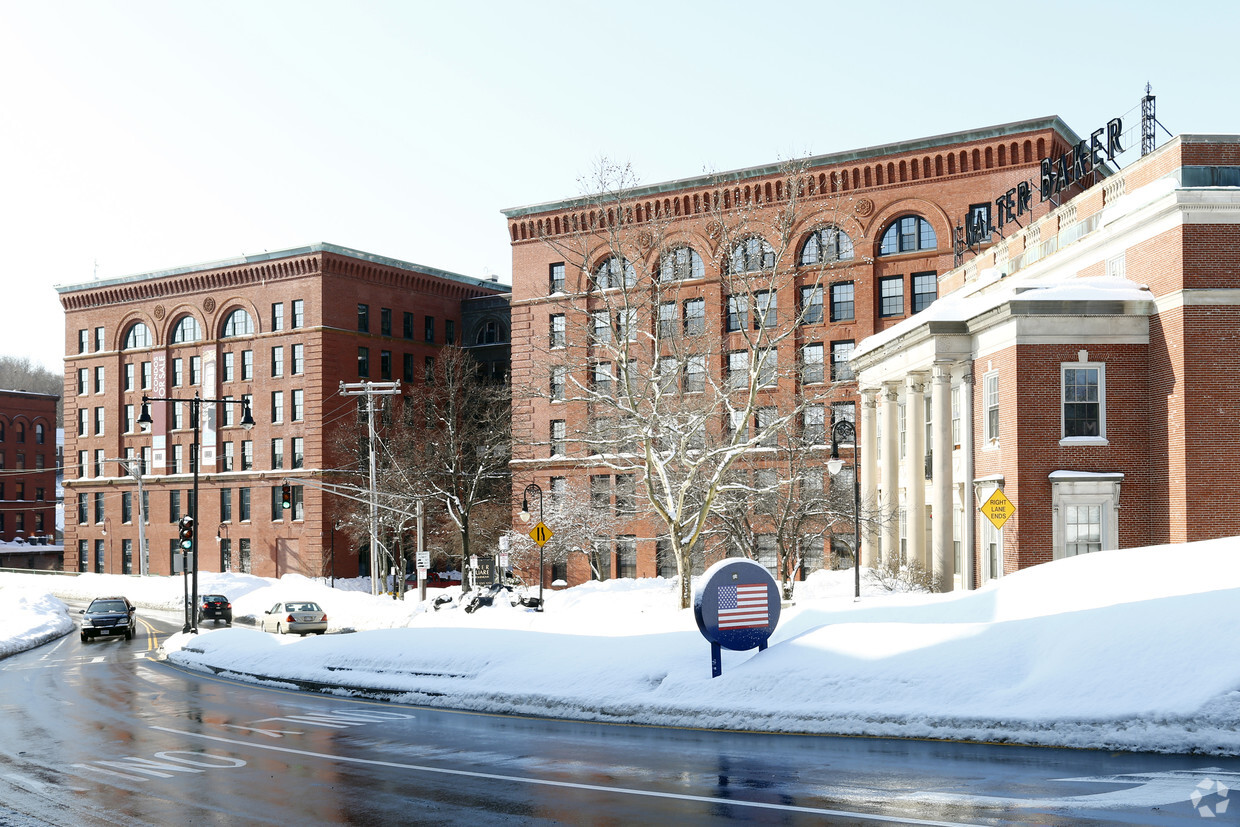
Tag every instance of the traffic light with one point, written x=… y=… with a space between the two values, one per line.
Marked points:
x=187 y=532
x=286 y=496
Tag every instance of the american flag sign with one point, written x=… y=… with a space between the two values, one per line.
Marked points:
x=743 y=607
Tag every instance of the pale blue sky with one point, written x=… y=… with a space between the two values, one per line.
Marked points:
x=141 y=136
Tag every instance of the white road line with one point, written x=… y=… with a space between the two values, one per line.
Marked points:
x=572 y=785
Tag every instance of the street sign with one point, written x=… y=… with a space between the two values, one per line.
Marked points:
x=998 y=508
x=541 y=534
x=423 y=560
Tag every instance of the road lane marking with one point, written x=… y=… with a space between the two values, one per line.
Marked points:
x=572 y=785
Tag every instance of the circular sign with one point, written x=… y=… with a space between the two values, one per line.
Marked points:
x=737 y=605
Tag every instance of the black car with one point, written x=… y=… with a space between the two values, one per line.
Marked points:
x=214 y=607
x=109 y=617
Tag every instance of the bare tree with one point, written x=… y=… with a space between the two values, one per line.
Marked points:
x=577 y=523
x=21 y=374
x=671 y=392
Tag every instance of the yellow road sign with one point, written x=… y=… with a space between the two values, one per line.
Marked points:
x=998 y=508
x=541 y=534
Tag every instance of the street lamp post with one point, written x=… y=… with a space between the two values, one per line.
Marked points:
x=195 y=411
x=534 y=488
x=840 y=431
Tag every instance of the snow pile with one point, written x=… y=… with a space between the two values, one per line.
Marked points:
x=1120 y=649
x=29 y=616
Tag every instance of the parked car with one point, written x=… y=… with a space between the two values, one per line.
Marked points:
x=294 y=617
x=215 y=607
x=108 y=617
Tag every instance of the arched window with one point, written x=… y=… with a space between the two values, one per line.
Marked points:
x=752 y=254
x=139 y=335
x=680 y=264
x=20 y=429
x=609 y=274
x=1 y=431
x=907 y=234
x=825 y=245
x=488 y=334
x=238 y=323
x=186 y=330
x=40 y=434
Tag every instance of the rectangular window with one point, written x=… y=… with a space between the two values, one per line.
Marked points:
x=1082 y=529
x=99 y=380
x=601 y=378
x=891 y=296
x=98 y=339
x=695 y=317
x=299 y=359
x=768 y=368
x=626 y=325
x=195 y=370
x=228 y=367
x=363 y=361
x=225 y=554
x=764 y=309
x=977 y=228
x=626 y=494
x=814 y=425
x=299 y=312
x=225 y=505
x=100 y=556
x=667 y=320
x=956 y=419
x=299 y=404
x=738 y=370
x=842 y=302
x=385 y=364
x=83 y=340
x=299 y=451
x=626 y=556
x=559 y=375
x=558 y=331
x=557 y=277
x=277 y=361
x=277 y=503
x=126 y=507
x=695 y=374
x=247 y=365
x=385 y=321
x=228 y=457
x=764 y=427
x=83 y=421
x=146 y=376
x=738 y=313
x=841 y=352
x=990 y=398
x=558 y=437
x=363 y=318
x=247 y=454
x=174 y=506
x=83 y=509
x=428 y=329
x=925 y=290
x=600 y=493
x=1083 y=400
x=277 y=316
x=228 y=417
x=84 y=381
x=178 y=376
x=767 y=556
x=601 y=327
x=407 y=326
x=844 y=412
x=811 y=363
x=277 y=406
x=811 y=305
x=449 y=331
x=129 y=377
x=407 y=367
x=243 y=504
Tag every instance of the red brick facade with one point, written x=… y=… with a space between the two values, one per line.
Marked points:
x=28 y=478
x=305 y=334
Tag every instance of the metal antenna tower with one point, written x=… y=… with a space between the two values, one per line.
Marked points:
x=1147 y=122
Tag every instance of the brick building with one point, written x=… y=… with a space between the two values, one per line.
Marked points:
x=865 y=242
x=1085 y=367
x=28 y=480
x=279 y=331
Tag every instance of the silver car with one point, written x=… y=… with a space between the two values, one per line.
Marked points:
x=296 y=617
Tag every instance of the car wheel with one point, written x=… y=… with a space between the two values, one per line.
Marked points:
x=278 y=632
x=129 y=633
x=324 y=631
x=85 y=638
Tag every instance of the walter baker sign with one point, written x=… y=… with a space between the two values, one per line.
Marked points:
x=736 y=607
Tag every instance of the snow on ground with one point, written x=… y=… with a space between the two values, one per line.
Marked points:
x=1129 y=649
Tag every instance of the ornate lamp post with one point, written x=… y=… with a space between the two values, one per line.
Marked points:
x=195 y=411
x=534 y=488
x=844 y=431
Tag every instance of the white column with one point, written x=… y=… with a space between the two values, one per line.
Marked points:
x=890 y=502
x=915 y=469
x=867 y=452
x=941 y=489
x=966 y=493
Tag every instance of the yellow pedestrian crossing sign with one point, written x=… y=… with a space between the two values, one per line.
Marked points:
x=541 y=534
x=998 y=508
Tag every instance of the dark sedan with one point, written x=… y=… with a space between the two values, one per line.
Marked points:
x=109 y=617
x=215 y=607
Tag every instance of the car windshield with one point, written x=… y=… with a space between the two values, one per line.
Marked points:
x=303 y=607
x=107 y=606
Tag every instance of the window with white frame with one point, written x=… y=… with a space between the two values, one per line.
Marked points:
x=1086 y=511
x=695 y=374
x=667 y=320
x=768 y=367
x=811 y=363
x=559 y=376
x=990 y=399
x=956 y=417
x=1084 y=401
x=738 y=369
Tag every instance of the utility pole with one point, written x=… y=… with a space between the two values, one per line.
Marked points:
x=370 y=390
x=134 y=467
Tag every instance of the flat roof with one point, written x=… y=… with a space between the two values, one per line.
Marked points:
x=320 y=247
x=916 y=144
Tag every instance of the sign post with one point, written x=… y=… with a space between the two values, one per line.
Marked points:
x=737 y=607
